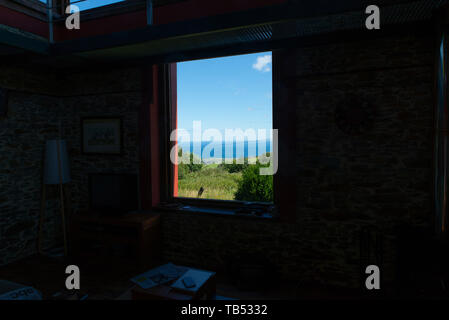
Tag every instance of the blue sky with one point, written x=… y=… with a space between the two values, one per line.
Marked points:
x=88 y=4
x=231 y=92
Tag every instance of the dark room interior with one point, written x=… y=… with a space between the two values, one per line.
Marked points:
x=102 y=199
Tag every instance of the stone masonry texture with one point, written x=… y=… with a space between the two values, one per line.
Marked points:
x=38 y=103
x=381 y=178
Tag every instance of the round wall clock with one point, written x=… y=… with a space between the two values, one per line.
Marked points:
x=354 y=116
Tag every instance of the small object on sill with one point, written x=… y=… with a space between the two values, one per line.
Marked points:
x=251 y=211
x=174 y=206
x=256 y=209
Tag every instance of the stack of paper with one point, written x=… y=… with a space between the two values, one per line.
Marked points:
x=160 y=275
x=14 y=291
x=198 y=276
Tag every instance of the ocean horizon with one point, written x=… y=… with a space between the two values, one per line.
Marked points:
x=229 y=149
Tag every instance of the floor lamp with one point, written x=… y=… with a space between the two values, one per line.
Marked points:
x=56 y=172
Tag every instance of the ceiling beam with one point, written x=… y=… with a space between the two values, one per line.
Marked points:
x=16 y=39
x=291 y=11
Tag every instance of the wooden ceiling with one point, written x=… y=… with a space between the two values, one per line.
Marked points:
x=261 y=28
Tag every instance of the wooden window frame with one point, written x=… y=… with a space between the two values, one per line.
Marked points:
x=284 y=187
x=282 y=195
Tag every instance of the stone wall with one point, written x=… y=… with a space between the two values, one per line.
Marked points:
x=114 y=93
x=381 y=178
x=38 y=102
x=22 y=137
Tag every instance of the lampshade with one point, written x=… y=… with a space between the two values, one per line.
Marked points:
x=51 y=168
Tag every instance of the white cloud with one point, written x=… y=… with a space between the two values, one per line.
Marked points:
x=263 y=63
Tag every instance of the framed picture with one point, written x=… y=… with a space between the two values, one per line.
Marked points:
x=101 y=135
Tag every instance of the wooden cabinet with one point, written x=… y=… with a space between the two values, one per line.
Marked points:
x=137 y=235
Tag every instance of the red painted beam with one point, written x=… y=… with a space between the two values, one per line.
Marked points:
x=195 y=9
x=182 y=11
x=145 y=138
x=155 y=138
x=101 y=26
x=22 y=21
x=284 y=119
x=149 y=139
x=174 y=119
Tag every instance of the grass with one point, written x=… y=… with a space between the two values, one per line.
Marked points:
x=217 y=183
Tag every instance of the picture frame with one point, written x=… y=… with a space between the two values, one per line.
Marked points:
x=102 y=135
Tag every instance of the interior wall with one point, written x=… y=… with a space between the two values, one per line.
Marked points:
x=29 y=122
x=381 y=178
x=101 y=94
x=38 y=103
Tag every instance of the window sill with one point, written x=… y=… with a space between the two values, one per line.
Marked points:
x=214 y=211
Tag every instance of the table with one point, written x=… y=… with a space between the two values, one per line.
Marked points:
x=166 y=292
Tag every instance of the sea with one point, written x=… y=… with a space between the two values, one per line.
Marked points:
x=229 y=149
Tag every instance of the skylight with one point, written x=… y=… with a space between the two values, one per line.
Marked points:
x=90 y=4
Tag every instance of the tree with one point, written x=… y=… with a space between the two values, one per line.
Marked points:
x=186 y=168
x=255 y=187
x=194 y=167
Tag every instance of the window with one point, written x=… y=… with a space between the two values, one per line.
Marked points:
x=224 y=129
x=89 y=4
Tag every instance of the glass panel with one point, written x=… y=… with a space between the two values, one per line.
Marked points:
x=89 y=4
x=225 y=128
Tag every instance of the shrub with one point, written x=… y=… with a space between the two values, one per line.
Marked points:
x=235 y=167
x=186 y=168
x=194 y=167
x=183 y=170
x=255 y=187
